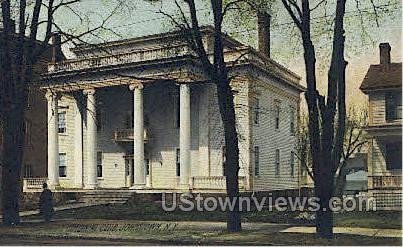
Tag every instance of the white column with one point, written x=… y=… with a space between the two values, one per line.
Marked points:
x=78 y=147
x=138 y=135
x=91 y=140
x=53 y=140
x=184 y=135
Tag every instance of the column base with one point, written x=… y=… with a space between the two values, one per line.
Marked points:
x=186 y=187
x=139 y=187
x=91 y=187
x=54 y=186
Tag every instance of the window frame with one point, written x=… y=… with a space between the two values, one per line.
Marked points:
x=292 y=120
x=292 y=164
x=59 y=128
x=277 y=161
x=396 y=155
x=277 y=115
x=256 y=111
x=393 y=106
x=64 y=165
x=100 y=164
x=178 y=163
x=256 y=151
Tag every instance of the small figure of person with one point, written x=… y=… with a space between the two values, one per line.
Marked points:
x=46 y=203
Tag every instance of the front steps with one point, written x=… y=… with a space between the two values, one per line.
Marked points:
x=105 y=196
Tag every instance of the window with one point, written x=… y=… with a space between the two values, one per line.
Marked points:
x=394 y=156
x=277 y=160
x=27 y=171
x=292 y=121
x=292 y=163
x=257 y=166
x=224 y=160
x=99 y=119
x=99 y=164
x=277 y=116
x=147 y=161
x=177 y=111
x=62 y=122
x=178 y=164
x=393 y=106
x=27 y=133
x=62 y=165
x=256 y=115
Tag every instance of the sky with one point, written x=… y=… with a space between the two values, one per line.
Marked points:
x=141 y=17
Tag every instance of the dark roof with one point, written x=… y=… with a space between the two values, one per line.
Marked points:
x=382 y=76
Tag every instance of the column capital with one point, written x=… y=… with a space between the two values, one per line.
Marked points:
x=137 y=85
x=89 y=91
x=51 y=95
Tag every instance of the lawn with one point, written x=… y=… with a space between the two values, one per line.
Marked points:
x=175 y=234
x=154 y=211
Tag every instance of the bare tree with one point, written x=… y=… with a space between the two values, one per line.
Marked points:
x=20 y=53
x=217 y=72
x=354 y=140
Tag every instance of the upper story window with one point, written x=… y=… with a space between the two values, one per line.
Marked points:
x=27 y=133
x=292 y=163
x=393 y=156
x=62 y=122
x=277 y=115
x=256 y=113
x=99 y=115
x=393 y=106
x=292 y=120
x=177 y=115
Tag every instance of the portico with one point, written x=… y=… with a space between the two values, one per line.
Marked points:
x=141 y=174
x=145 y=117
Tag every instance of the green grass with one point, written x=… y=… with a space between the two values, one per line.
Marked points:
x=109 y=230
x=377 y=219
x=154 y=211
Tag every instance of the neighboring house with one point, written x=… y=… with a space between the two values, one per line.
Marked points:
x=111 y=127
x=34 y=162
x=356 y=179
x=383 y=85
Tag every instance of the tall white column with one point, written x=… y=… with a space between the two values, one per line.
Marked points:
x=91 y=140
x=184 y=134
x=78 y=147
x=53 y=140
x=138 y=135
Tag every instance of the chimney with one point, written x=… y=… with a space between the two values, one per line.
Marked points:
x=384 y=51
x=57 y=54
x=263 y=26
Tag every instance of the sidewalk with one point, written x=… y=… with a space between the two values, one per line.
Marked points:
x=387 y=233
x=221 y=226
x=59 y=208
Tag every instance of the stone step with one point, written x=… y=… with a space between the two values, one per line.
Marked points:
x=106 y=196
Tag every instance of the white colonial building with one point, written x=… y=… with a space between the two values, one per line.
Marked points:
x=140 y=114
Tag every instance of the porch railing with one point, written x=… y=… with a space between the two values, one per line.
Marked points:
x=33 y=183
x=214 y=182
x=387 y=182
x=126 y=135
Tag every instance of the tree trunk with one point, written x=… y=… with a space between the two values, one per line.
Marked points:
x=324 y=216
x=12 y=157
x=227 y=110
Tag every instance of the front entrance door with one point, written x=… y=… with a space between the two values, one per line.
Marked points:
x=129 y=172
